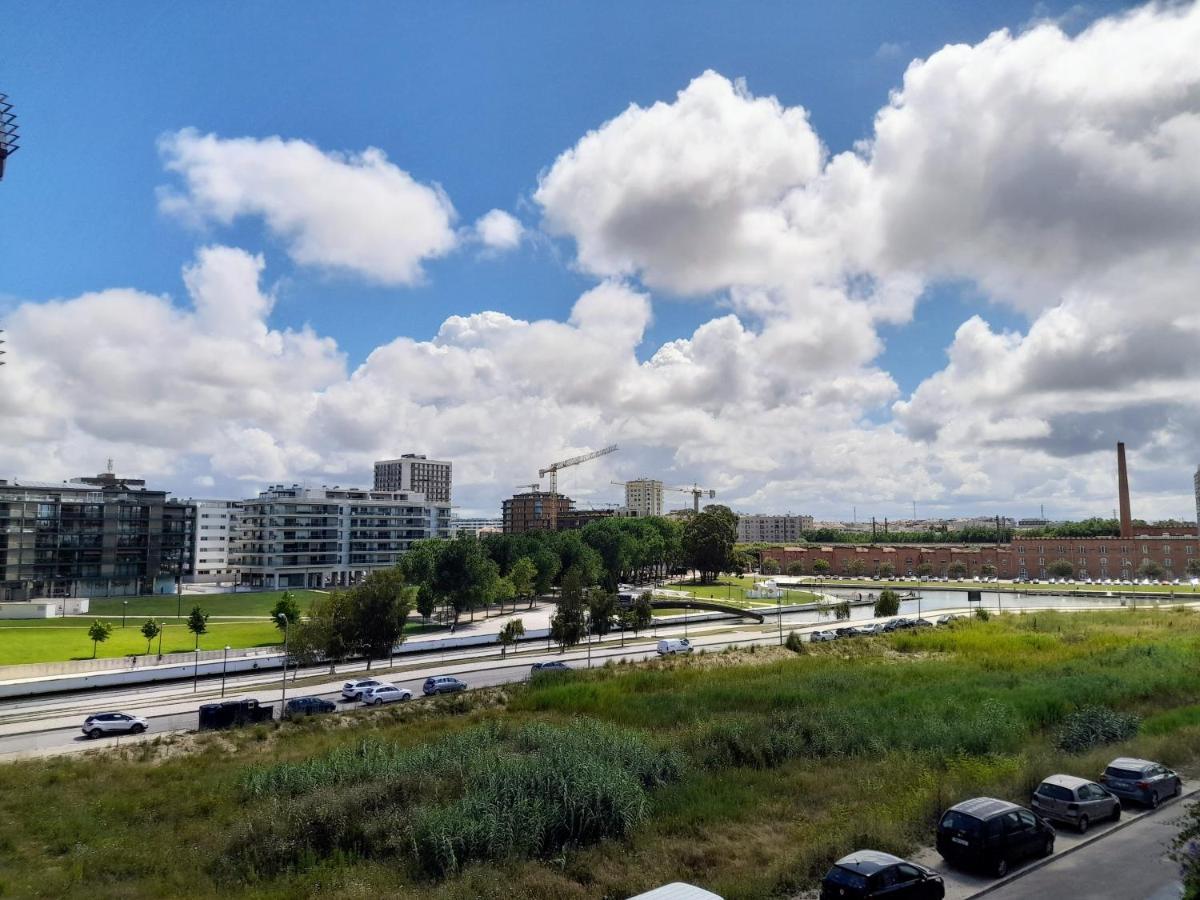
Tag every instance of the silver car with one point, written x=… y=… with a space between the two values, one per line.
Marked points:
x=113 y=723
x=819 y=636
x=1076 y=801
x=1141 y=780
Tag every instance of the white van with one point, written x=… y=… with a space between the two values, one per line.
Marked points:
x=671 y=646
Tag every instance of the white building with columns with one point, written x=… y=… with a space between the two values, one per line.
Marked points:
x=303 y=537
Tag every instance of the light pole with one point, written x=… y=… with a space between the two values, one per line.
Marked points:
x=179 y=597
x=196 y=668
x=162 y=626
x=124 y=611
x=779 y=607
x=224 y=666
x=283 y=693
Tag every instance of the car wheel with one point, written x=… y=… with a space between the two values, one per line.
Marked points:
x=1153 y=802
x=1048 y=847
x=95 y=733
x=1001 y=867
x=1178 y=787
x=1116 y=816
x=1082 y=824
x=137 y=729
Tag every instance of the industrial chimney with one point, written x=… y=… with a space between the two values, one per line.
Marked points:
x=1123 y=490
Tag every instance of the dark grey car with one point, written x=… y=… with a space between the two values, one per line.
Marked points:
x=1141 y=780
x=442 y=684
x=1076 y=801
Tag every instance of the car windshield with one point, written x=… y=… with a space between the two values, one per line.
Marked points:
x=846 y=878
x=957 y=821
x=1127 y=774
x=1055 y=791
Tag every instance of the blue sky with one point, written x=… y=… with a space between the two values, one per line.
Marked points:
x=478 y=97
x=480 y=100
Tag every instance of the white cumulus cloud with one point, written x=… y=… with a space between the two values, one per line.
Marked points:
x=498 y=230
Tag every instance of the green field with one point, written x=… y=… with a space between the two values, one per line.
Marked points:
x=57 y=640
x=746 y=772
x=257 y=603
x=732 y=589
x=25 y=644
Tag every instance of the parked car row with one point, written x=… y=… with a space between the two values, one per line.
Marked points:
x=993 y=835
x=870 y=628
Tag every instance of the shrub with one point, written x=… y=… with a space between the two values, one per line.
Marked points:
x=1095 y=726
x=794 y=642
x=888 y=603
x=487 y=793
x=982 y=614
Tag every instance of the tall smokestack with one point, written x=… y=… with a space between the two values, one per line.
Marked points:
x=1123 y=491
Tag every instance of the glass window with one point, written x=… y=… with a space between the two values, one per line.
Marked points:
x=1026 y=819
x=907 y=873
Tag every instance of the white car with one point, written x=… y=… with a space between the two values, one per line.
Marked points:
x=113 y=723
x=352 y=690
x=671 y=646
x=384 y=693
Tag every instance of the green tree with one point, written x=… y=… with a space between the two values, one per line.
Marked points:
x=426 y=601
x=522 y=575
x=602 y=606
x=1150 y=569
x=886 y=570
x=197 y=624
x=512 y=631
x=329 y=631
x=548 y=567
x=503 y=592
x=708 y=540
x=925 y=569
x=820 y=567
x=99 y=632
x=956 y=570
x=643 y=612
x=465 y=576
x=380 y=605
x=856 y=567
x=795 y=569
x=988 y=570
x=567 y=624
x=770 y=566
x=150 y=631
x=888 y=603
x=1060 y=568
x=1193 y=568
x=287 y=606
x=841 y=611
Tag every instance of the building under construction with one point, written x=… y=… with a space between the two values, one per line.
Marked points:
x=535 y=511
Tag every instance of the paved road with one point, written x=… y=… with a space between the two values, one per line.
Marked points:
x=1130 y=864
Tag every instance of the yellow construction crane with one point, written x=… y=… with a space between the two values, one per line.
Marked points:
x=552 y=471
x=696 y=492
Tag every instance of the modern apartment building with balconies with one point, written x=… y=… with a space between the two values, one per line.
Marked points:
x=100 y=536
x=297 y=536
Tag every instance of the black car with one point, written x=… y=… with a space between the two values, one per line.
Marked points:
x=992 y=834
x=870 y=873
x=232 y=713
x=546 y=668
x=308 y=706
x=845 y=632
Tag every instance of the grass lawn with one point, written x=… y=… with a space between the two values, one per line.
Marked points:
x=746 y=772
x=732 y=589
x=24 y=644
x=257 y=603
x=56 y=640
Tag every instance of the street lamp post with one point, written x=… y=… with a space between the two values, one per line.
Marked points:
x=283 y=693
x=124 y=611
x=162 y=626
x=179 y=597
x=779 y=607
x=224 y=666
x=196 y=668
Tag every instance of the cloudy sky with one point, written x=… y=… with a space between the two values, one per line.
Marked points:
x=815 y=258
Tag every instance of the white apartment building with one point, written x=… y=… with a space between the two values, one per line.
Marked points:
x=475 y=527
x=772 y=529
x=323 y=537
x=213 y=535
x=644 y=496
x=417 y=474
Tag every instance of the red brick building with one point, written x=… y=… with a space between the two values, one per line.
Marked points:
x=1025 y=557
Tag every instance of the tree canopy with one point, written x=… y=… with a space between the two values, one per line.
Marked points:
x=708 y=540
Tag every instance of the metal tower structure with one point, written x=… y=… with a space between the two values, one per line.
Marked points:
x=552 y=471
x=8 y=132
